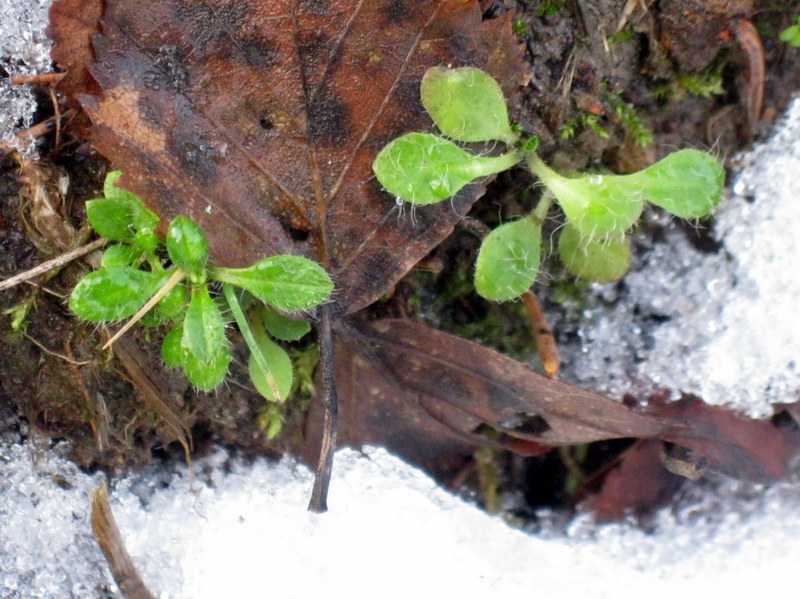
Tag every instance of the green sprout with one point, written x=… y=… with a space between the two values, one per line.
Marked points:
x=791 y=35
x=133 y=282
x=550 y=7
x=634 y=127
x=467 y=105
x=585 y=120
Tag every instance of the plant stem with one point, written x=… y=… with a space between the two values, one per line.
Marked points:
x=322 y=477
x=250 y=337
x=542 y=208
x=481 y=166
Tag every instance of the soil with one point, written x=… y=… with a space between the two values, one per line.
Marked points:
x=603 y=74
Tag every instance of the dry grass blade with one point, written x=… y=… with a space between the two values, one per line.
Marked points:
x=134 y=363
x=56 y=262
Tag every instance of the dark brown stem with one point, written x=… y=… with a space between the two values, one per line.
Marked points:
x=322 y=477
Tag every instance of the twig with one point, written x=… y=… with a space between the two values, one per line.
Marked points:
x=38 y=130
x=55 y=354
x=548 y=352
x=56 y=262
x=750 y=41
x=61 y=296
x=107 y=535
x=322 y=477
x=57 y=115
x=40 y=79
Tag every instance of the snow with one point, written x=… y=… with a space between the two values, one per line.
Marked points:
x=391 y=531
x=241 y=529
x=24 y=50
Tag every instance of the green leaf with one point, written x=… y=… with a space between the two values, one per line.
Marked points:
x=172 y=305
x=171 y=350
x=187 y=245
x=112 y=192
x=146 y=241
x=791 y=35
x=466 y=104
x=113 y=219
x=267 y=364
x=508 y=261
x=119 y=255
x=276 y=383
x=114 y=293
x=203 y=374
x=687 y=183
x=145 y=220
x=286 y=282
x=207 y=374
x=285 y=329
x=203 y=327
x=598 y=205
x=425 y=169
x=120 y=213
x=594 y=258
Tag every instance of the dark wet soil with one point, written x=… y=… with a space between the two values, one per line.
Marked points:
x=613 y=85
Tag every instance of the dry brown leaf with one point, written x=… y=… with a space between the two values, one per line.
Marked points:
x=425 y=393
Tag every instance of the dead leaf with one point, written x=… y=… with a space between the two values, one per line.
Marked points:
x=73 y=24
x=260 y=120
x=636 y=484
x=755 y=450
x=424 y=393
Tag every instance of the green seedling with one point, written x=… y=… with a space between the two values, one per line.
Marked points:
x=467 y=105
x=791 y=35
x=133 y=282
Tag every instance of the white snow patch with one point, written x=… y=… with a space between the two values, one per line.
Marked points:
x=390 y=531
x=24 y=50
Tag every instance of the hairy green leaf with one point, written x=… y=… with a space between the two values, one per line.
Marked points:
x=286 y=282
x=594 y=258
x=172 y=305
x=466 y=104
x=187 y=245
x=203 y=326
x=687 y=183
x=146 y=241
x=207 y=374
x=508 y=261
x=280 y=327
x=425 y=169
x=276 y=382
x=171 y=349
x=113 y=219
x=597 y=205
x=119 y=255
x=114 y=293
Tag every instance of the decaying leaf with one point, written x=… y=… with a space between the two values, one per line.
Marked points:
x=757 y=450
x=425 y=393
x=636 y=484
x=260 y=120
